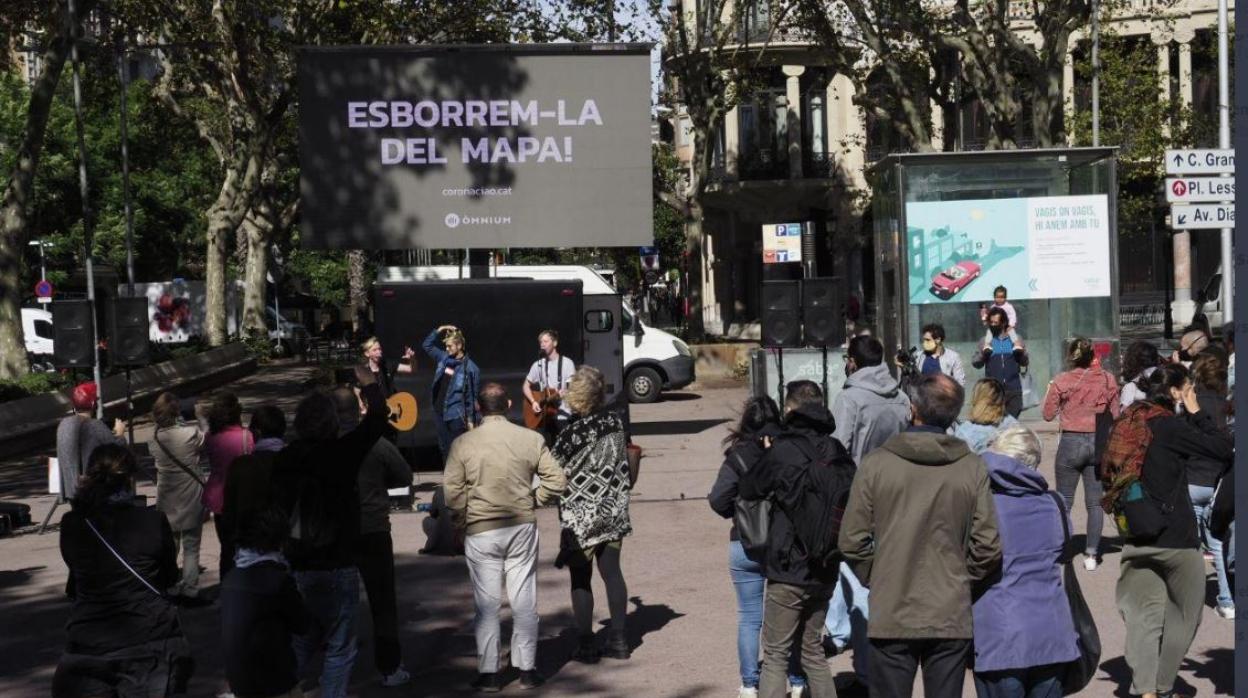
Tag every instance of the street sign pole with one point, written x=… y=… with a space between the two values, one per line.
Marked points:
x=1224 y=141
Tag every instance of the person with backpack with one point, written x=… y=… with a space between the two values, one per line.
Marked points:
x=1138 y=363
x=806 y=474
x=1161 y=585
x=178 y=449
x=760 y=417
x=1077 y=396
x=316 y=479
x=920 y=528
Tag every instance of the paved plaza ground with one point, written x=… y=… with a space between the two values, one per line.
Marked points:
x=682 y=614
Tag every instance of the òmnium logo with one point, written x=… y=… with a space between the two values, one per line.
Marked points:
x=454 y=220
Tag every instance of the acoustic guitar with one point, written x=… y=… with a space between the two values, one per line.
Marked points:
x=403 y=413
x=549 y=400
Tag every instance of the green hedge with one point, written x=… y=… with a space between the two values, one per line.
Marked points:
x=32 y=384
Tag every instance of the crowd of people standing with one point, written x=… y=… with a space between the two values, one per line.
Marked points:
x=960 y=498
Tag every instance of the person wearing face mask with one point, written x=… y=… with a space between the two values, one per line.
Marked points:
x=1161 y=586
x=935 y=357
x=1190 y=344
x=1003 y=356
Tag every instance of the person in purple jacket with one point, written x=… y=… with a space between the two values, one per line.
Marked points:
x=1024 y=632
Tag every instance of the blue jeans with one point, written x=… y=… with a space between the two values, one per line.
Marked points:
x=1032 y=682
x=448 y=431
x=1202 y=504
x=846 y=625
x=749 y=583
x=331 y=597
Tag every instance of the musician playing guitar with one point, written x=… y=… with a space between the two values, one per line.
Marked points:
x=545 y=385
x=376 y=364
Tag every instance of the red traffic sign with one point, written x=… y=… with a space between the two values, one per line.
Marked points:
x=43 y=289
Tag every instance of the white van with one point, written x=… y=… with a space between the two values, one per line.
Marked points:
x=654 y=360
x=37 y=330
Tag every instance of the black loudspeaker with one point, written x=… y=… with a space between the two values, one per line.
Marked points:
x=72 y=334
x=821 y=312
x=782 y=326
x=127 y=332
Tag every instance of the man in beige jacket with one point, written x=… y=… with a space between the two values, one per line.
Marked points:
x=489 y=487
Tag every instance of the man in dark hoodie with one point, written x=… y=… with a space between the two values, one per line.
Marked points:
x=920 y=527
x=797 y=588
x=871 y=409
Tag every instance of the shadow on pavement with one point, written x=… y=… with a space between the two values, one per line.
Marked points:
x=679 y=397
x=675 y=428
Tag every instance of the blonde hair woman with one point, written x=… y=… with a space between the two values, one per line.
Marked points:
x=456 y=380
x=375 y=362
x=593 y=510
x=988 y=415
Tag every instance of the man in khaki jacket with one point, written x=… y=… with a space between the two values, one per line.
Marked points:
x=919 y=529
x=489 y=487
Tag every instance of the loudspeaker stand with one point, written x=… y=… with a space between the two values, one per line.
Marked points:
x=43 y=527
x=130 y=408
x=780 y=376
x=825 y=372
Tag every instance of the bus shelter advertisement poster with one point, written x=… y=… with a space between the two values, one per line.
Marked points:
x=1037 y=247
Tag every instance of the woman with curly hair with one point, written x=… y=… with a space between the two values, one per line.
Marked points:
x=593 y=510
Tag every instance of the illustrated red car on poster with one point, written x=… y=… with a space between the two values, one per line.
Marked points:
x=948 y=282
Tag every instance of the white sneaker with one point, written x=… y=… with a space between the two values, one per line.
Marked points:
x=797 y=691
x=746 y=692
x=1090 y=564
x=1227 y=612
x=398 y=678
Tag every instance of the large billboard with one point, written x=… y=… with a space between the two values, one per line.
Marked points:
x=475 y=146
x=1037 y=247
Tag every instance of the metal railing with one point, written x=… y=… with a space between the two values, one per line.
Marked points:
x=762 y=164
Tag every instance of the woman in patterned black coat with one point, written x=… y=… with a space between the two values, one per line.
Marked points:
x=593 y=511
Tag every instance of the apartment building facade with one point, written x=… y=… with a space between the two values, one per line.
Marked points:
x=797 y=149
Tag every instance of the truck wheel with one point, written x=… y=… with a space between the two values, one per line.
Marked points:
x=644 y=384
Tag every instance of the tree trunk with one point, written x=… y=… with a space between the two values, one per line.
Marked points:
x=18 y=197
x=256 y=236
x=225 y=216
x=696 y=321
x=357 y=289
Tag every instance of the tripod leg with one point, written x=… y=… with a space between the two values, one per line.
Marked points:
x=44 y=526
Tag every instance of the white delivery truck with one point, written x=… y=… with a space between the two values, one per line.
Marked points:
x=37 y=331
x=654 y=360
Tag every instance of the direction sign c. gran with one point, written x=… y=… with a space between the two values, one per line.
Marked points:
x=1198 y=161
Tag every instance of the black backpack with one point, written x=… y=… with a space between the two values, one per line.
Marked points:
x=815 y=502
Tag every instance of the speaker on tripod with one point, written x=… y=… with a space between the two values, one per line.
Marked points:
x=821 y=312
x=127 y=332
x=781 y=316
x=72 y=334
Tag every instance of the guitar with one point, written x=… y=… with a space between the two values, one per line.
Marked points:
x=549 y=400
x=403 y=412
